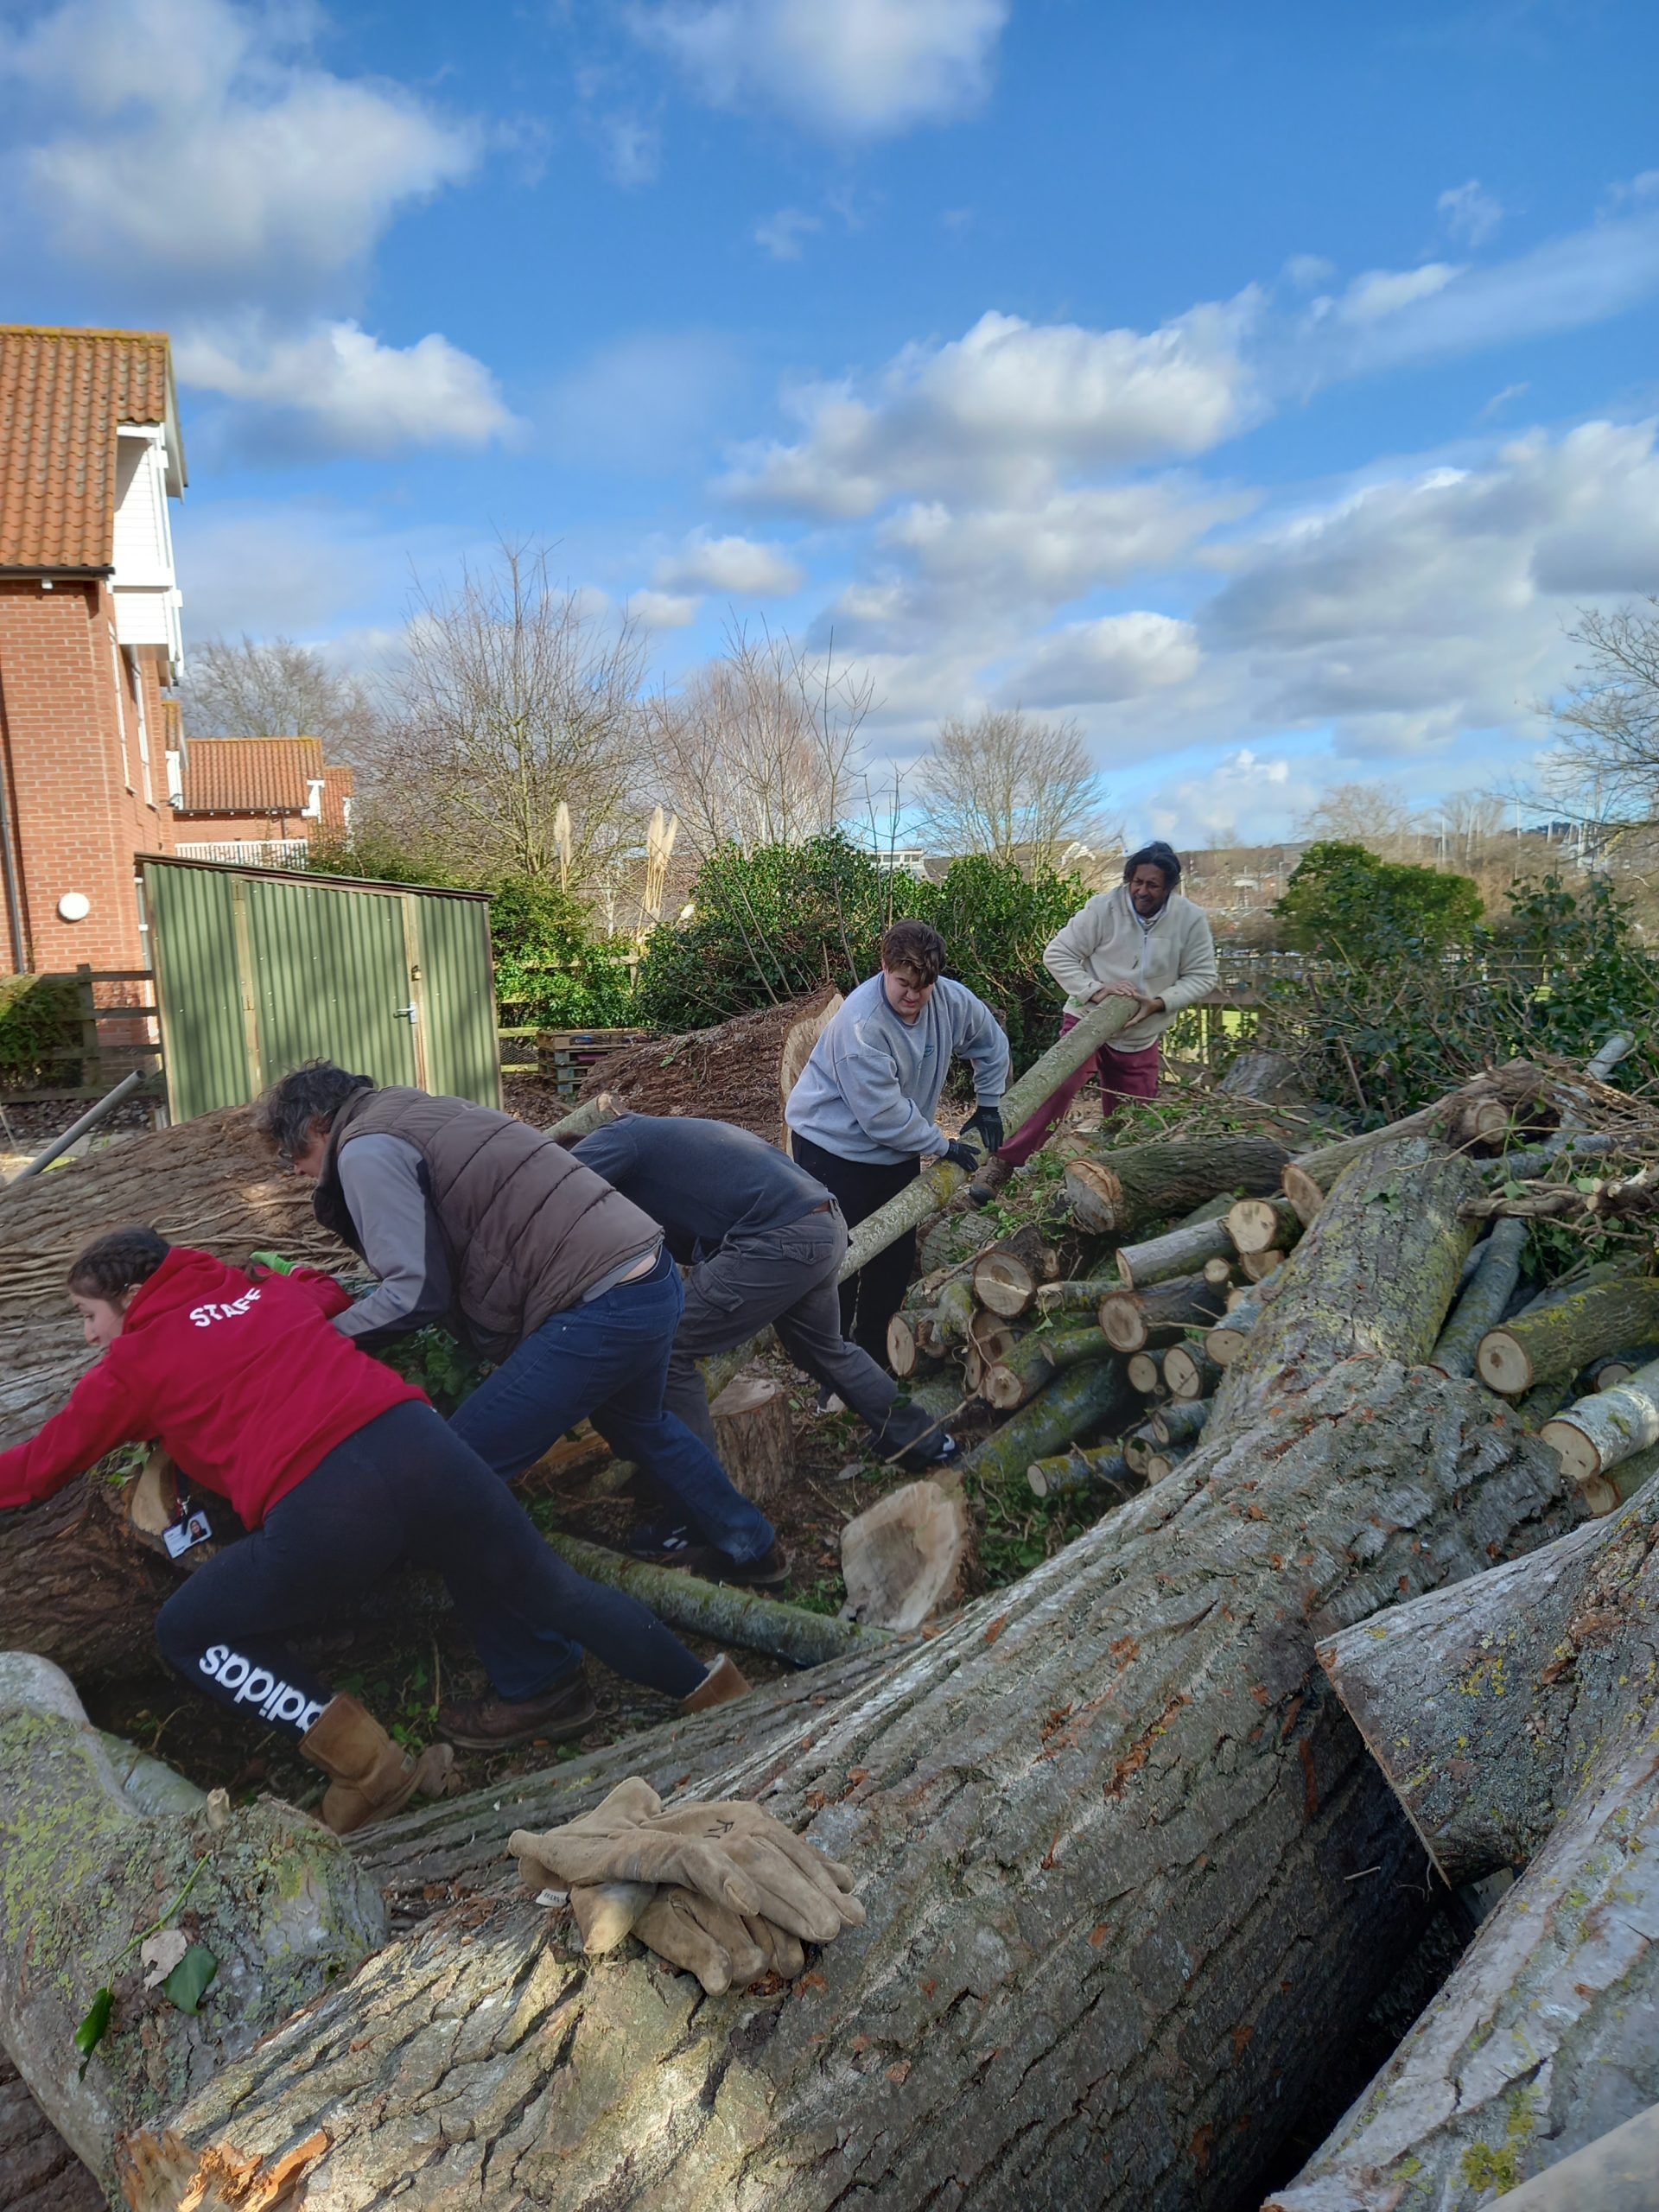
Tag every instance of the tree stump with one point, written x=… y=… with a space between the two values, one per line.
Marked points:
x=902 y=1560
x=799 y=1041
x=755 y=1432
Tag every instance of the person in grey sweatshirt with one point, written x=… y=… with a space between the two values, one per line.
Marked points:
x=860 y=1116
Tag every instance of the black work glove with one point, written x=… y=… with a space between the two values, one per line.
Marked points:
x=986 y=1126
x=961 y=1155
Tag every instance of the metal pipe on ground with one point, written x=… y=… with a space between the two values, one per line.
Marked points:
x=89 y=1120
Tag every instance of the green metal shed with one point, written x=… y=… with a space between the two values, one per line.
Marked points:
x=258 y=970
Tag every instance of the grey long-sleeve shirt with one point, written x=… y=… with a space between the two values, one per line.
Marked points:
x=872 y=1087
x=383 y=1179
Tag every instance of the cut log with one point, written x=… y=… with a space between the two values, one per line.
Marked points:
x=1082 y=1296
x=1228 y=1338
x=1181 y=1421
x=1483 y=1114
x=754 y=1437
x=905 y=1355
x=1516 y=1718
x=902 y=1560
x=1217 y=1272
x=951 y=1318
x=1558 y=1338
x=1122 y=1192
x=1130 y=1320
x=716 y=1610
x=1112 y=1800
x=1181 y=1252
x=1033 y=1363
x=1594 y=1435
x=1619 y=1367
x=278 y=1901
x=1485 y=1299
x=1075 y=1473
x=1256 y=1267
x=597 y=1113
x=1190 y=1373
x=1005 y=1278
x=936 y=1187
x=951 y=1240
x=1271 y=1079
x=1078 y=1401
x=1161 y=1465
x=1604 y=1493
x=1263 y=1224
x=1138 y=1447
x=991 y=1339
x=1143 y=1372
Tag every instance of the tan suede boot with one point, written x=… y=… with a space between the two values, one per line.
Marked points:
x=370 y=1777
x=722 y=1682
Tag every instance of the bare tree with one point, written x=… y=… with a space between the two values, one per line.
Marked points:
x=1010 y=784
x=1606 y=762
x=761 y=746
x=515 y=697
x=1372 y=815
x=270 y=687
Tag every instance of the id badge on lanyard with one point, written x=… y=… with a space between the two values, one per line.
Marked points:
x=192 y=1527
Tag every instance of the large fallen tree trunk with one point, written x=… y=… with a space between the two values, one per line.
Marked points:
x=85 y=1872
x=1515 y=1718
x=1104 y=1823
x=38 y=2171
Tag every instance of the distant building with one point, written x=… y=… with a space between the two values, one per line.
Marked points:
x=261 y=802
x=901 y=860
x=90 y=458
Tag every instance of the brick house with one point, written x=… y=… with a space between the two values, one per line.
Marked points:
x=261 y=802
x=90 y=457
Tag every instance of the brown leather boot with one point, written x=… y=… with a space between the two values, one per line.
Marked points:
x=485 y=1724
x=993 y=1174
x=370 y=1777
x=722 y=1682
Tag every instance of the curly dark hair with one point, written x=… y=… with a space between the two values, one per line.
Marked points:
x=287 y=1114
x=1159 y=855
x=914 y=949
x=111 y=1266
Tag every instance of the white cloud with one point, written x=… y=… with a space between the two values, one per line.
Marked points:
x=664 y=610
x=1306 y=272
x=347 y=391
x=846 y=69
x=738 y=567
x=1060 y=547
x=782 y=235
x=1470 y=212
x=1382 y=292
x=1004 y=409
x=1117 y=657
x=633 y=150
x=192 y=141
x=1242 y=796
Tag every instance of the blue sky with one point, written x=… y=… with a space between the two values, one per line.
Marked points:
x=1265 y=387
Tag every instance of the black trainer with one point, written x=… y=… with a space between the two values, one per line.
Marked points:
x=682 y=1549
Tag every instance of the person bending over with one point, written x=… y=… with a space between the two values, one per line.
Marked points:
x=341 y=1470
x=763 y=1241
x=1142 y=941
x=860 y=1116
x=475 y=1219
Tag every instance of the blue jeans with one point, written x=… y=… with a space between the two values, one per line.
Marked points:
x=607 y=1362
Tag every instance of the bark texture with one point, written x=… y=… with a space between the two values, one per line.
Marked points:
x=1130 y=1319
x=1178 y=1252
x=1543 y=2039
x=38 y=2171
x=1120 y=1193
x=83 y=1870
x=1552 y=1341
x=1484 y=1301
x=1595 y=1436
x=1102 y=1823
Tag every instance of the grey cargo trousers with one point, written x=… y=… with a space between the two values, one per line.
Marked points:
x=785 y=1277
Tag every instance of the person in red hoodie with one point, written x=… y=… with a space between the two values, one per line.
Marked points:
x=340 y=1469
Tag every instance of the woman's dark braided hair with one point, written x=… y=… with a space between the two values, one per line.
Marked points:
x=111 y=1266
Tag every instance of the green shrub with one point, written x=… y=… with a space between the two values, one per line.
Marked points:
x=550 y=969
x=40 y=1032
x=1344 y=901
x=789 y=920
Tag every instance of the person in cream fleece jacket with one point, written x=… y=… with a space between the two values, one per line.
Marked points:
x=1141 y=940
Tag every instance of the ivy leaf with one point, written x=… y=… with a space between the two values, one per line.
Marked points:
x=91 y=2032
x=187 y=1983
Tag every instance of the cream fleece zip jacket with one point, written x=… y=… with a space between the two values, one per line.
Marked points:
x=1173 y=959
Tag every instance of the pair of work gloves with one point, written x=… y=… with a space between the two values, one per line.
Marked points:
x=986 y=1126
x=723 y=1890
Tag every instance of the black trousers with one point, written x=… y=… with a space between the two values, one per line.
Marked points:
x=405 y=1487
x=871 y=1297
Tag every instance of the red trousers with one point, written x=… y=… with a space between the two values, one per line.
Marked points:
x=1122 y=1075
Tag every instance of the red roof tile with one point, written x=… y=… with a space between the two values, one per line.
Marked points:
x=62 y=395
x=249 y=775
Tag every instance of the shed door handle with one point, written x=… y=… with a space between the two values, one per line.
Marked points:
x=410 y=1014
